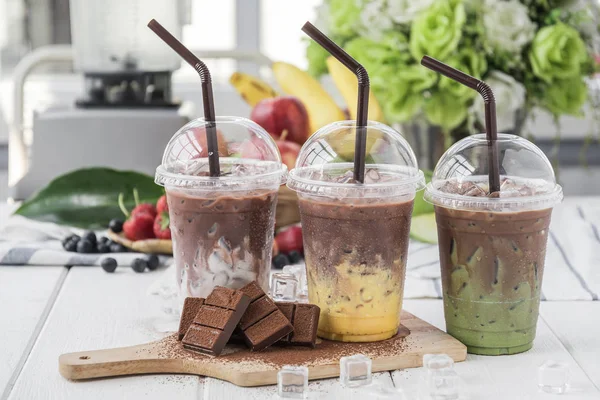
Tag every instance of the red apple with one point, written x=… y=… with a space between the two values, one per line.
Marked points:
x=290 y=239
x=289 y=152
x=284 y=113
x=197 y=137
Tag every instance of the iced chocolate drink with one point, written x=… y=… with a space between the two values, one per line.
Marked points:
x=221 y=225
x=492 y=267
x=493 y=245
x=356 y=264
x=356 y=233
x=222 y=240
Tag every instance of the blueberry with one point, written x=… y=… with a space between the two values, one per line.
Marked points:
x=116 y=225
x=117 y=248
x=103 y=248
x=152 y=260
x=71 y=246
x=109 y=264
x=280 y=261
x=85 y=246
x=139 y=265
x=295 y=256
x=91 y=237
x=103 y=239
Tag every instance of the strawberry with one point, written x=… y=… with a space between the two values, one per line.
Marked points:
x=144 y=208
x=139 y=226
x=289 y=239
x=161 y=204
x=161 y=226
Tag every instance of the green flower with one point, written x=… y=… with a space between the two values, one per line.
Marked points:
x=470 y=62
x=400 y=89
x=557 y=52
x=316 y=56
x=343 y=16
x=436 y=31
x=566 y=96
x=444 y=110
x=392 y=49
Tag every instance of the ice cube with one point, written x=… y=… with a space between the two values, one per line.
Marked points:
x=554 y=376
x=436 y=362
x=441 y=381
x=220 y=259
x=284 y=287
x=451 y=187
x=355 y=371
x=474 y=191
x=299 y=271
x=348 y=177
x=443 y=384
x=372 y=176
x=379 y=392
x=292 y=382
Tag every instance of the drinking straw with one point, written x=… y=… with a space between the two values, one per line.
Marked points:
x=490 y=113
x=360 y=146
x=207 y=93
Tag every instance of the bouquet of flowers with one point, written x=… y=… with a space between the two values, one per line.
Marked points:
x=533 y=53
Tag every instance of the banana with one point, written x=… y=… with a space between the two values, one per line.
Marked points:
x=321 y=108
x=347 y=84
x=252 y=89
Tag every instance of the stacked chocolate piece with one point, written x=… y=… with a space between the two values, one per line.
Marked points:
x=207 y=325
x=215 y=321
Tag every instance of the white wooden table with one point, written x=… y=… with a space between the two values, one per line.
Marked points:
x=47 y=311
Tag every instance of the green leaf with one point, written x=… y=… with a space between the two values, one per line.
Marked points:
x=423 y=228
x=88 y=198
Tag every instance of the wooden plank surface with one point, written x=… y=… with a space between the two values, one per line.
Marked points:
x=577 y=326
x=506 y=377
x=26 y=296
x=93 y=310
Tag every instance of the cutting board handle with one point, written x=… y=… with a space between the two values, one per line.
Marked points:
x=142 y=359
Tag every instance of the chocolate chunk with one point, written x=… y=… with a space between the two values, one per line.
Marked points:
x=288 y=310
x=304 y=319
x=263 y=324
x=267 y=331
x=213 y=316
x=257 y=310
x=214 y=323
x=191 y=305
x=225 y=298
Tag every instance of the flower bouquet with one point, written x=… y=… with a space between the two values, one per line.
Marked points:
x=533 y=53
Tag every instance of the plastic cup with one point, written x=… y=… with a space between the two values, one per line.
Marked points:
x=222 y=227
x=356 y=235
x=492 y=248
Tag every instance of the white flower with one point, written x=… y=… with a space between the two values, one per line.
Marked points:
x=404 y=11
x=507 y=25
x=510 y=97
x=374 y=19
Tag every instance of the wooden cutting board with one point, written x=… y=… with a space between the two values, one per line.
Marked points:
x=244 y=368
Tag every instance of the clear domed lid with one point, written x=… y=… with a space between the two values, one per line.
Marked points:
x=248 y=157
x=460 y=179
x=325 y=164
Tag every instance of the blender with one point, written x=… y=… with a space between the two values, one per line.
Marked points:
x=126 y=112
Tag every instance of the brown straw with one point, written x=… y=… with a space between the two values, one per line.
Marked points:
x=207 y=93
x=490 y=113
x=360 y=147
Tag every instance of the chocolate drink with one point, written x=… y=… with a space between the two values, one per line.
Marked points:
x=356 y=264
x=492 y=266
x=222 y=239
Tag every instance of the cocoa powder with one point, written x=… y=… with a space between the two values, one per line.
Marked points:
x=240 y=359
